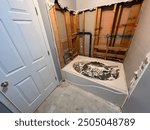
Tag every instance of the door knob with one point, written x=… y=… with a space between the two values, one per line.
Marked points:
x=4 y=84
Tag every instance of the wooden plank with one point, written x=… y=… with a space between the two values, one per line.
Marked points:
x=74 y=31
x=97 y=25
x=98 y=54
x=83 y=30
x=102 y=47
x=77 y=30
x=119 y=12
x=130 y=25
x=118 y=19
x=68 y=29
x=52 y=13
x=96 y=28
x=113 y=24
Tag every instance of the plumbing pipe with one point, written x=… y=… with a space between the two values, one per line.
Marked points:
x=90 y=43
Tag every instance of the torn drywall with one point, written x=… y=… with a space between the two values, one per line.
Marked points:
x=70 y=4
x=81 y=5
x=49 y=3
x=90 y=4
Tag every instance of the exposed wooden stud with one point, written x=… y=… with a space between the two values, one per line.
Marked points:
x=113 y=24
x=68 y=28
x=117 y=24
x=102 y=47
x=110 y=50
x=52 y=13
x=76 y=21
x=107 y=45
x=73 y=30
x=83 y=30
x=98 y=54
x=97 y=25
x=118 y=19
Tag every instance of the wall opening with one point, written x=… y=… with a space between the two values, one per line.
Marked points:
x=112 y=29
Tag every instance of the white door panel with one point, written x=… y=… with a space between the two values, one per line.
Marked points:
x=24 y=61
x=12 y=60
x=18 y=5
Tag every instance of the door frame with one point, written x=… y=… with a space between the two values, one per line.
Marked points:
x=44 y=35
x=3 y=98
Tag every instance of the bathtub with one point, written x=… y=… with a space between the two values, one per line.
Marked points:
x=110 y=86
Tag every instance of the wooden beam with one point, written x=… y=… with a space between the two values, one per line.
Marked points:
x=68 y=29
x=98 y=17
x=113 y=24
x=52 y=13
x=77 y=30
x=119 y=12
x=99 y=54
x=101 y=47
x=83 y=30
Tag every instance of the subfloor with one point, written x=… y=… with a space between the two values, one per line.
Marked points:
x=67 y=98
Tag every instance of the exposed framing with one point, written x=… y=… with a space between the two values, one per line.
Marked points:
x=114 y=28
x=98 y=15
x=52 y=13
x=68 y=28
x=114 y=48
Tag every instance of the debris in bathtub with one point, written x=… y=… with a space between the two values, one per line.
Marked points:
x=97 y=70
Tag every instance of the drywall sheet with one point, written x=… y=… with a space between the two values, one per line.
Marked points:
x=140 y=44
x=70 y=4
x=80 y=5
x=89 y=4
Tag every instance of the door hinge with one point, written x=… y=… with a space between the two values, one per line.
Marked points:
x=55 y=78
x=48 y=53
x=36 y=11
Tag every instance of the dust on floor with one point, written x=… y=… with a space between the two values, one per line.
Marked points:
x=67 y=98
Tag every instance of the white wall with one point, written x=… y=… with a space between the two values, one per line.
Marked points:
x=52 y=1
x=141 y=43
x=139 y=101
x=87 y=4
x=89 y=27
x=71 y=4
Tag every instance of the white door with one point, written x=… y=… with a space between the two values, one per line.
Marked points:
x=27 y=75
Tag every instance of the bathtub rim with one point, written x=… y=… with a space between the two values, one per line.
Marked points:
x=107 y=84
